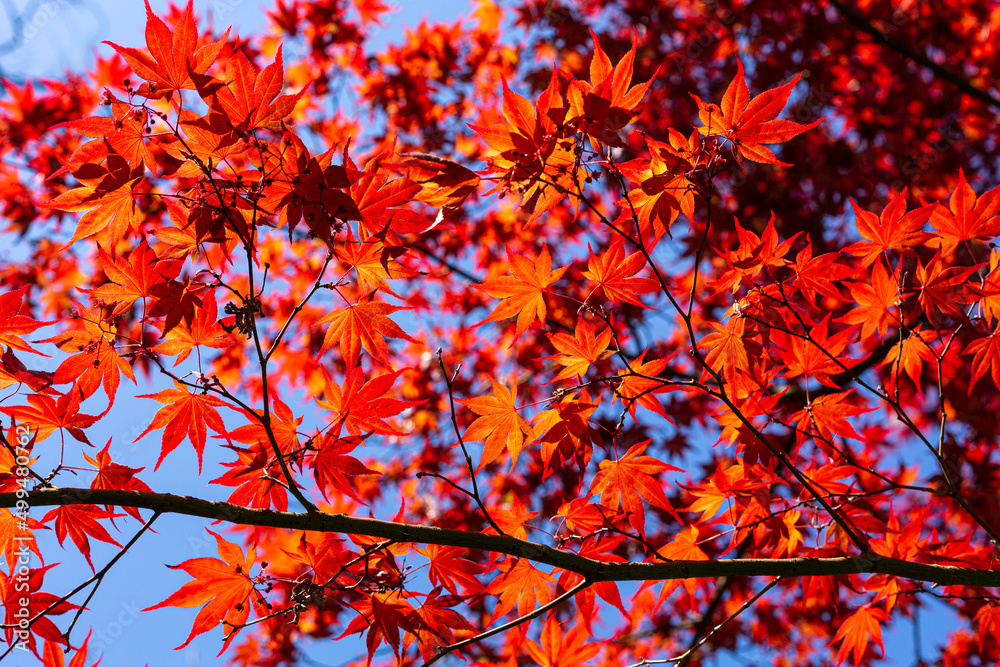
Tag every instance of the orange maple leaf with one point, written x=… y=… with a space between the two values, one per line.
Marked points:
x=204 y=330
x=560 y=647
x=172 y=57
x=629 y=480
x=522 y=292
x=749 y=124
x=48 y=414
x=250 y=98
x=13 y=324
x=857 y=630
x=966 y=218
x=519 y=584
x=894 y=229
x=224 y=584
x=361 y=406
x=79 y=521
x=580 y=351
x=499 y=424
x=616 y=274
x=131 y=277
x=184 y=415
x=362 y=325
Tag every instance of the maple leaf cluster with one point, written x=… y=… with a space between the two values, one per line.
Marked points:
x=601 y=361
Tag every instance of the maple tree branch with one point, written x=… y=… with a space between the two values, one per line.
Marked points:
x=298 y=308
x=552 y=604
x=593 y=570
x=881 y=37
x=450 y=380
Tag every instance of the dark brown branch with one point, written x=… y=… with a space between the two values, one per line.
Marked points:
x=592 y=570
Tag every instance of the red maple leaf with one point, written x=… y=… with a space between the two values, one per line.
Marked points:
x=172 y=57
x=749 y=124
x=860 y=627
x=629 y=480
x=225 y=585
x=499 y=424
x=184 y=415
x=522 y=291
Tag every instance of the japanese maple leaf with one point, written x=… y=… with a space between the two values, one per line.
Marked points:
x=941 y=290
x=987 y=357
x=250 y=98
x=253 y=473
x=526 y=151
x=749 y=124
x=361 y=406
x=131 y=277
x=606 y=104
x=448 y=569
x=734 y=352
x=440 y=620
x=123 y=132
x=565 y=429
x=663 y=190
x=910 y=354
x=204 y=330
x=580 y=351
x=13 y=371
x=522 y=291
x=111 y=475
x=172 y=57
x=860 y=627
x=966 y=218
x=629 y=480
x=717 y=490
x=48 y=414
x=363 y=325
x=107 y=194
x=53 y=654
x=382 y=201
x=383 y=615
x=97 y=361
x=519 y=584
x=638 y=386
x=683 y=547
x=988 y=617
x=374 y=263
x=284 y=425
x=828 y=415
x=816 y=356
x=443 y=183
x=79 y=522
x=895 y=229
x=989 y=292
x=752 y=255
x=333 y=466
x=13 y=324
x=616 y=274
x=512 y=519
x=16 y=531
x=225 y=585
x=878 y=303
x=13 y=595
x=560 y=647
x=815 y=276
x=184 y=415
x=175 y=301
x=499 y=424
